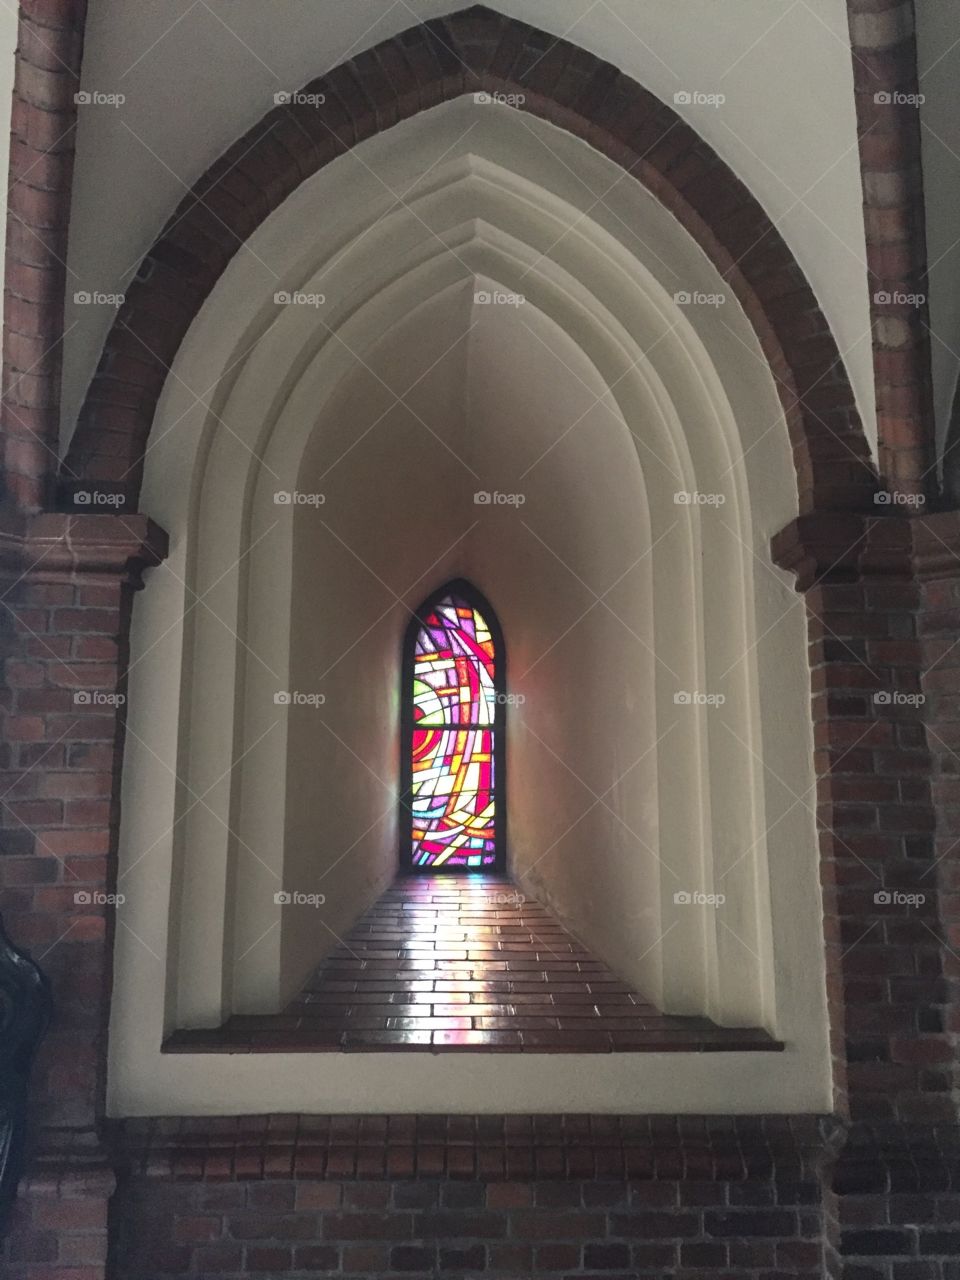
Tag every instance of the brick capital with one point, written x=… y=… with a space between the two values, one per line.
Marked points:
x=844 y=547
x=53 y=544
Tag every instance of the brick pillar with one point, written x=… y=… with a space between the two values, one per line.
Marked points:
x=886 y=88
x=42 y=141
x=938 y=571
x=886 y=899
x=68 y=585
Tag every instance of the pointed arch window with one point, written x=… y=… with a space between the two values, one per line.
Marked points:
x=453 y=740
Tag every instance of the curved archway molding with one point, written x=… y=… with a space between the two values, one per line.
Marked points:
x=298 y=390
x=476 y=50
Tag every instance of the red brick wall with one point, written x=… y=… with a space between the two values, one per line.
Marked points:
x=66 y=607
x=886 y=952
x=519 y=1196
x=888 y=121
x=882 y=623
x=60 y=1226
x=42 y=141
x=938 y=541
x=66 y=588
x=549 y=1229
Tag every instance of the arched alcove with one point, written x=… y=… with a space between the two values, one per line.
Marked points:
x=633 y=608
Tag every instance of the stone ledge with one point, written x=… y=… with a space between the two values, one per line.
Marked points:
x=55 y=543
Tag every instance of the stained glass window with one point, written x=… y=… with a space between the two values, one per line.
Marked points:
x=452 y=731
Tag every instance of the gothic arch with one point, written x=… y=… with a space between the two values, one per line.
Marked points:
x=476 y=50
x=683 y=408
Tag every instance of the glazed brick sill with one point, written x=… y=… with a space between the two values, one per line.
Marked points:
x=262 y=1038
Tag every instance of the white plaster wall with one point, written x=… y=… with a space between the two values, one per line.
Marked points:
x=393 y=504
x=584 y=816
x=398 y=519
x=696 y=386
x=196 y=76
x=938 y=56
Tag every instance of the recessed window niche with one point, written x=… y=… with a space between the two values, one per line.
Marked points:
x=501 y=337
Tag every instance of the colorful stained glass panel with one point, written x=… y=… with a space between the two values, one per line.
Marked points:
x=453 y=745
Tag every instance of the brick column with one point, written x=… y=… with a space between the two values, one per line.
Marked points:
x=883 y=41
x=888 y=902
x=884 y=957
x=42 y=142
x=938 y=571
x=67 y=589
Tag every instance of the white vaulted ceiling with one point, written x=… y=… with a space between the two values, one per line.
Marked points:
x=197 y=73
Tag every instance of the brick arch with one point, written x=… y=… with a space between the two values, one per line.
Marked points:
x=476 y=49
